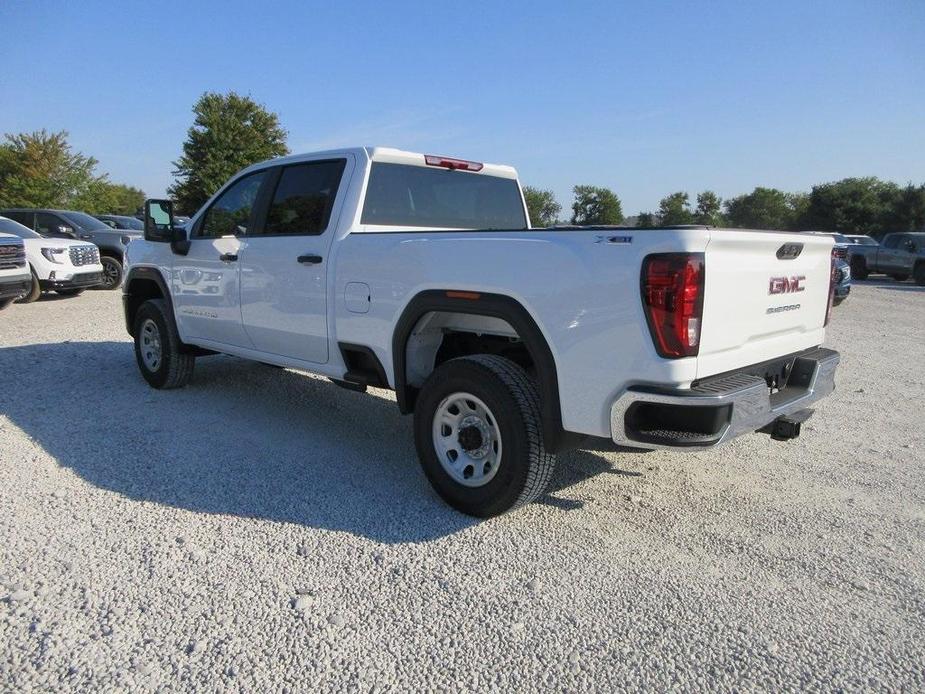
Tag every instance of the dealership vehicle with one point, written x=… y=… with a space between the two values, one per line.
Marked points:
x=899 y=255
x=841 y=249
x=842 y=281
x=119 y=221
x=60 y=265
x=377 y=267
x=15 y=279
x=71 y=224
x=861 y=240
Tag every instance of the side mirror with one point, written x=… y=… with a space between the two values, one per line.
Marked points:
x=66 y=231
x=910 y=246
x=159 y=221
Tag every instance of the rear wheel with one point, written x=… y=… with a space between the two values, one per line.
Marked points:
x=919 y=274
x=163 y=360
x=900 y=277
x=859 y=268
x=112 y=272
x=35 y=291
x=478 y=433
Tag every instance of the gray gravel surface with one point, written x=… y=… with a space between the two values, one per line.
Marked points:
x=264 y=530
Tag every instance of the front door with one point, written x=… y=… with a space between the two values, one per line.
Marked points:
x=206 y=281
x=284 y=262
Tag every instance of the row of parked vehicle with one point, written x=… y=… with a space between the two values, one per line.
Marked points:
x=64 y=251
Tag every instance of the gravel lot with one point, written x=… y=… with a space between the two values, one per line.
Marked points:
x=263 y=530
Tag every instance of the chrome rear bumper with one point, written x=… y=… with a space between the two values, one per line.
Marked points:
x=718 y=409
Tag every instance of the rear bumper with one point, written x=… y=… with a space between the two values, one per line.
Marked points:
x=82 y=280
x=16 y=288
x=718 y=409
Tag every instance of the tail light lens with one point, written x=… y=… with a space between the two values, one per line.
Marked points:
x=672 y=297
x=833 y=280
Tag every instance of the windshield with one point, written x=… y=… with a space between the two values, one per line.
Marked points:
x=863 y=240
x=85 y=221
x=402 y=195
x=8 y=226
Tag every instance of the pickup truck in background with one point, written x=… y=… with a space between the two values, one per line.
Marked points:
x=899 y=255
x=381 y=268
x=15 y=278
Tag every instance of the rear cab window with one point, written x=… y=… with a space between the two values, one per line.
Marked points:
x=405 y=195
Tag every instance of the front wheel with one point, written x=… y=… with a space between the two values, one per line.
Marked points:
x=112 y=272
x=4 y=303
x=859 y=268
x=162 y=358
x=900 y=277
x=479 y=436
x=35 y=291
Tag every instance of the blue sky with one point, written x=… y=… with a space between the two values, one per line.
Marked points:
x=645 y=98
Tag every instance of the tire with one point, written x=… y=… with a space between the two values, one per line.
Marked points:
x=162 y=359
x=859 y=268
x=112 y=272
x=501 y=444
x=918 y=274
x=4 y=303
x=69 y=292
x=35 y=291
x=900 y=277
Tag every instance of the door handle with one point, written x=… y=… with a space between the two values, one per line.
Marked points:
x=310 y=259
x=228 y=257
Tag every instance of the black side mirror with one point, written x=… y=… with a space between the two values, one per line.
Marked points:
x=910 y=246
x=159 y=221
x=66 y=231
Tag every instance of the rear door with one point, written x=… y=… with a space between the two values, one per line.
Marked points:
x=206 y=282
x=284 y=262
x=765 y=296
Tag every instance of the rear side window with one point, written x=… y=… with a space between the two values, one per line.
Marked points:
x=304 y=198
x=230 y=214
x=416 y=196
x=27 y=219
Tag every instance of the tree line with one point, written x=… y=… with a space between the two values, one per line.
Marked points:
x=851 y=206
x=230 y=132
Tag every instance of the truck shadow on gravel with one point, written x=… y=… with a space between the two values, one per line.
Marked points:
x=242 y=439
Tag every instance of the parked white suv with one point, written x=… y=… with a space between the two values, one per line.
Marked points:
x=377 y=267
x=61 y=265
x=14 y=272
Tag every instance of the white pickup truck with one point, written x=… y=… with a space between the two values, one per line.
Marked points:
x=421 y=274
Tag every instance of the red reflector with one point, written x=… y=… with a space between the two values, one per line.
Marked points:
x=672 y=296
x=456 y=164
x=472 y=296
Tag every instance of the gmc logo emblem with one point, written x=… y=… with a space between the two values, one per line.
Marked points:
x=786 y=285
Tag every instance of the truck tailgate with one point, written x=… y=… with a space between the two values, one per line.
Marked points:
x=760 y=302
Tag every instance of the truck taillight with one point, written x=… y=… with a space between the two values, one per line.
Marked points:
x=453 y=164
x=672 y=297
x=833 y=280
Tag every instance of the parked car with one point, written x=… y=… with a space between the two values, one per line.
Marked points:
x=842 y=281
x=377 y=267
x=15 y=279
x=842 y=244
x=79 y=225
x=899 y=255
x=118 y=221
x=861 y=240
x=64 y=266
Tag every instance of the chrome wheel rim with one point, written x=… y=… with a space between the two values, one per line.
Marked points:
x=149 y=343
x=110 y=274
x=467 y=439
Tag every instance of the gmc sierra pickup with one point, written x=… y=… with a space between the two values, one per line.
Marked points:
x=899 y=256
x=421 y=274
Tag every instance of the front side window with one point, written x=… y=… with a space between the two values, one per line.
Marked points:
x=230 y=214
x=404 y=195
x=304 y=197
x=47 y=224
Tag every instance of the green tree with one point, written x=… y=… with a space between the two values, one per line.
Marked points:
x=763 y=208
x=40 y=169
x=542 y=206
x=646 y=219
x=908 y=211
x=854 y=206
x=675 y=209
x=709 y=209
x=595 y=205
x=229 y=133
